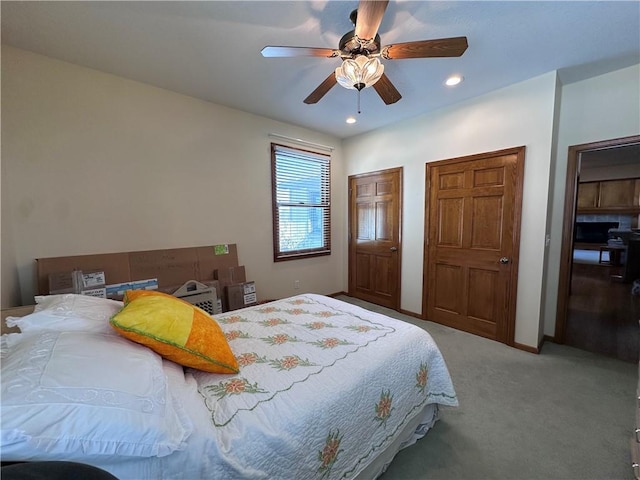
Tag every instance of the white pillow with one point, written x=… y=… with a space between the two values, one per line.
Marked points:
x=78 y=395
x=69 y=312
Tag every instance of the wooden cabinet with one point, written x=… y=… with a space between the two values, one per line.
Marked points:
x=588 y=194
x=615 y=196
x=618 y=193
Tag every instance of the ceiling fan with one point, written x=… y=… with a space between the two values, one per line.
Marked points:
x=361 y=51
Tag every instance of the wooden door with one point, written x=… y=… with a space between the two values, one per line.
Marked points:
x=472 y=227
x=375 y=212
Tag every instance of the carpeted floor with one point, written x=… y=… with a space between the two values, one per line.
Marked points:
x=561 y=415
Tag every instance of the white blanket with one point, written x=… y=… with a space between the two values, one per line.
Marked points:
x=323 y=388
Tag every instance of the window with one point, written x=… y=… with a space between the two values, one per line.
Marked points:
x=301 y=203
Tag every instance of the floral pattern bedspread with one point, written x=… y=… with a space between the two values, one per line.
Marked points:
x=323 y=387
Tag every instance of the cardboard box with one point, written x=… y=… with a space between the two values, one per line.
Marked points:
x=171 y=267
x=114 y=265
x=92 y=283
x=95 y=292
x=240 y=295
x=61 y=282
x=215 y=284
x=91 y=280
x=229 y=276
x=77 y=281
x=116 y=290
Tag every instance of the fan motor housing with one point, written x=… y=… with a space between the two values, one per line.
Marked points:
x=351 y=45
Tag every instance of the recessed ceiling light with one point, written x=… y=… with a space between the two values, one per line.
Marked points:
x=453 y=80
x=351 y=120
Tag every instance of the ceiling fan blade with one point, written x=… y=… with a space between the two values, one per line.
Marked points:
x=322 y=89
x=386 y=90
x=442 y=47
x=273 y=51
x=369 y=17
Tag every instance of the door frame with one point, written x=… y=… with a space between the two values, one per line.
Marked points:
x=350 y=252
x=568 y=222
x=517 y=226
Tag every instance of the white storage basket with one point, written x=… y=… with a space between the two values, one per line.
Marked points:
x=200 y=295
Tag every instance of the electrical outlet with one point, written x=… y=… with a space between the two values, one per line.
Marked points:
x=296 y=284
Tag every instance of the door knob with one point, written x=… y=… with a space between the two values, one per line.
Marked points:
x=504 y=260
x=394 y=249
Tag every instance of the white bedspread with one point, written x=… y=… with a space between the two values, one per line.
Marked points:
x=324 y=387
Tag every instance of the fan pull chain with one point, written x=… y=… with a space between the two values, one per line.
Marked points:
x=358 y=102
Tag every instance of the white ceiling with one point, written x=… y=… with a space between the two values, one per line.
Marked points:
x=211 y=50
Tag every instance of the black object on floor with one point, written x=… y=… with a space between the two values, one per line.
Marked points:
x=53 y=471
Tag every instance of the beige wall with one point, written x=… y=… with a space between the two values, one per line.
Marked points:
x=95 y=163
x=600 y=108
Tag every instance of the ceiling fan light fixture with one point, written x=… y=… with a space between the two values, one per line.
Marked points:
x=359 y=72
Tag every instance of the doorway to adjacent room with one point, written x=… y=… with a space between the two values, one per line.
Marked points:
x=600 y=257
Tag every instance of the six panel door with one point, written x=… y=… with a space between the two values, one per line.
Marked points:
x=374 y=237
x=472 y=217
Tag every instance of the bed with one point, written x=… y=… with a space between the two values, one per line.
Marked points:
x=325 y=390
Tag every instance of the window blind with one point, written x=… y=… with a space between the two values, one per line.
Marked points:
x=301 y=203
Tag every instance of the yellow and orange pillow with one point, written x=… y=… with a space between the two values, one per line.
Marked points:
x=176 y=330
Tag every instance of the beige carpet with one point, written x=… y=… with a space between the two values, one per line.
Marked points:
x=564 y=414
